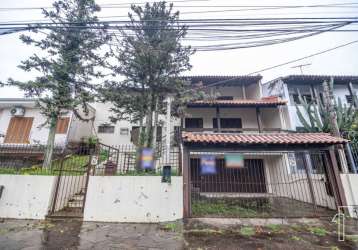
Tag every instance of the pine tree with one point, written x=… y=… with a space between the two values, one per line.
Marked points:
x=70 y=62
x=150 y=57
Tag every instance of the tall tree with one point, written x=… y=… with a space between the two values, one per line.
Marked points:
x=68 y=64
x=150 y=57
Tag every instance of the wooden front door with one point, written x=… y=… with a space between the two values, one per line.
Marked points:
x=19 y=130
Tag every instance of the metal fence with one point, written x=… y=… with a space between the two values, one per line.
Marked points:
x=24 y=159
x=268 y=184
x=124 y=160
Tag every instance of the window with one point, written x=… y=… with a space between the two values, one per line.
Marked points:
x=228 y=123
x=296 y=99
x=193 y=122
x=225 y=98
x=105 y=129
x=62 y=125
x=124 y=131
x=18 y=130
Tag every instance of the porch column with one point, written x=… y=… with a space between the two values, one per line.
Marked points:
x=258 y=117
x=243 y=91
x=218 y=122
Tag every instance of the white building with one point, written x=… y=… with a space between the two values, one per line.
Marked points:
x=21 y=122
x=309 y=86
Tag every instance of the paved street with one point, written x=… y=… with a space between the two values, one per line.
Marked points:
x=72 y=234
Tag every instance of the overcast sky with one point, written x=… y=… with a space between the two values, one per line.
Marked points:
x=343 y=61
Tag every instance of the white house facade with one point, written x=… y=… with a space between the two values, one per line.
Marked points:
x=309 y=86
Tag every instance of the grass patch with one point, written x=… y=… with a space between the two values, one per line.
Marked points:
x=74 y=162
x=296 y=238
x=247 y=231
x=318 y=231
x=274 y=228
x=229 y=207
x=171 y=226
x=353 y=238
x=221 y=208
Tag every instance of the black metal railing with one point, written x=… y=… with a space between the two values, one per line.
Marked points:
x=268 y=184
x=237 y=130
x=124 y=160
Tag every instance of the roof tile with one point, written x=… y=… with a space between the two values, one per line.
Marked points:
x=270 y=138
x=267 y=101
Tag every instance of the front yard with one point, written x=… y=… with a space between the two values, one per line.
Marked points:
x=70 y=165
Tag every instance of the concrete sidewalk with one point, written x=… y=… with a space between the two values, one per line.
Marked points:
x=22 y=234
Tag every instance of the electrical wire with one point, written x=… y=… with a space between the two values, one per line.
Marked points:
x=275 y=66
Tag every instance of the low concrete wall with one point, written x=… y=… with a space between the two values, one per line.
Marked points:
x=26 y=196
x=350 y=186
x=133 y=199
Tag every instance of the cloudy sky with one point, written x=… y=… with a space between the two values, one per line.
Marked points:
x=343 y=61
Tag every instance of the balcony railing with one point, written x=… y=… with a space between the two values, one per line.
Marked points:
x=237 y=130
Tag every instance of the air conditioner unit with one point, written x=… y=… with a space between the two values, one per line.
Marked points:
x=17 y=111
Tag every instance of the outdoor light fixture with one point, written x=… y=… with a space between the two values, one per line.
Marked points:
x=167 y=174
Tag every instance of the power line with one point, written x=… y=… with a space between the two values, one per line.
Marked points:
x=121 y=6
x=277 y=65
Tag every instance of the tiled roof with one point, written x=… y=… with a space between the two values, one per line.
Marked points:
x=227 y=80
x=318 y=79
x=254 y=139
x=268 y=101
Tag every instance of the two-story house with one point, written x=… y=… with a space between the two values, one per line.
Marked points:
x=238 y=147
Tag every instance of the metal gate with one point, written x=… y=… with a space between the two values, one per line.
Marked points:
x=268 y=184
x=71 y=186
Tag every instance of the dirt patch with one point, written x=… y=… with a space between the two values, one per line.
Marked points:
x=296 y=236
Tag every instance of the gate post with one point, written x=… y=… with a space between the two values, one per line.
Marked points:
x=186 y=183
x=338 y=187
x=53 y=208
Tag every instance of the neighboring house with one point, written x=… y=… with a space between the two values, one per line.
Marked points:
x=120 y=133
x=310 y=87
x=21 y=122
x=237 y=102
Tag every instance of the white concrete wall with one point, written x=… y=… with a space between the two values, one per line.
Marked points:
x=350 y=186
x=102 y=116
x=79 y=129
x=271 y=118
x=253 y=91
x=26 y=196
x=38 y=134
x=236 y=92
x=133 y=199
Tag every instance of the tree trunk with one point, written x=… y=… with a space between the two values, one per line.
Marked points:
x=148 y=128
x=155 y=126
x=50 y=144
